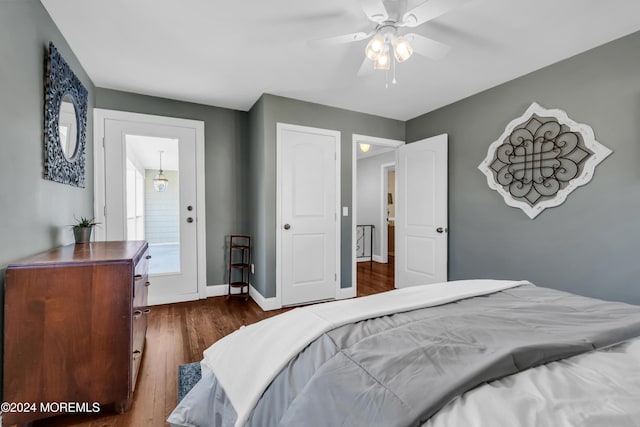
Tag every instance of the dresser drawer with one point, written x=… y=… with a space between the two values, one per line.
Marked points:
x=140 y=290
x=139 y=331
x=142 y=266
x=141 y=280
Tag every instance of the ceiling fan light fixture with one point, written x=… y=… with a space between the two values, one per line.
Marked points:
x=364 y=147
x=375 y=47
x=383 y=62
x=402 y=49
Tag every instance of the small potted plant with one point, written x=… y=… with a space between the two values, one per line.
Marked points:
x=82 y=229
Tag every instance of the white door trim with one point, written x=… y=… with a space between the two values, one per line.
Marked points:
x=357 y=139
x=99 y=117
x=384 y=183
x=280 y=127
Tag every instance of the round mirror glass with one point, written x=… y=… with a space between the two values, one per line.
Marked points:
x=68 y=128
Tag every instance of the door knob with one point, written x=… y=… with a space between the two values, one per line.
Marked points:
x=441 y=230
x=189 y=208
x=189 y=220
x=287 y=226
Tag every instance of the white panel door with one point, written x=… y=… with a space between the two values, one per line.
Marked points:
x=308 y=222
x=421 y=212
x=170 y=216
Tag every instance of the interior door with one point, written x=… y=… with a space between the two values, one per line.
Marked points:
x=421 y=212
x=308 y=222
x=137 y=210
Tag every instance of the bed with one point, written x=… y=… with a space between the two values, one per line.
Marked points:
x=465 y=353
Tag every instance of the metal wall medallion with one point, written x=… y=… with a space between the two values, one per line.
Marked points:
x=540 y=158
x=65 y=122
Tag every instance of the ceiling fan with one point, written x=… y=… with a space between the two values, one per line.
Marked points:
x=389 y=39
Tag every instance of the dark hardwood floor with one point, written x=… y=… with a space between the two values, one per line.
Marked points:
x=178 y=334
x=375 y=277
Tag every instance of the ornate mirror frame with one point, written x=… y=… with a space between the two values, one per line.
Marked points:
x=60 y=80
x=540 y=158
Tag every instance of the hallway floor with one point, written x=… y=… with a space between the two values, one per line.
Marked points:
x=375 y=277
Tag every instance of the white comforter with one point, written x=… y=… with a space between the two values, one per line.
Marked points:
x=588 y=390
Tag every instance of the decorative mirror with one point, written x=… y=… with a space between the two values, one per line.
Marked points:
x=65 y=121
x=540 y=158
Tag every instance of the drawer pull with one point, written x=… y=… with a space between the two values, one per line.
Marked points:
x=137 y=354
x=148 y=283
x=137 y=276
x=137 y=314
x=146 y=311
x=148 y=257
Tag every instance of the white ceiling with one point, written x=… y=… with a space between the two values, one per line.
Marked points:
x=227 y=53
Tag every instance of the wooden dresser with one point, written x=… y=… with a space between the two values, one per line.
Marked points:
x=74 y=330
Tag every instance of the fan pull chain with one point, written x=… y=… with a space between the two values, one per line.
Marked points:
x=393 y=61
x=393 y=81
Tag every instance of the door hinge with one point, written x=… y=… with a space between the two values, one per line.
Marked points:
x=335 y=277
x=103 y=142
x=105 y=210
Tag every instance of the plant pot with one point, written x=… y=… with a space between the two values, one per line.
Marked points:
x=82 y=234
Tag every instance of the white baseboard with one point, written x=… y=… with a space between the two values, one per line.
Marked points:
x=220 y=290
x=216 y=290
x=376 y=258
x=344 y=293
x=265 y=304
x=210 y=291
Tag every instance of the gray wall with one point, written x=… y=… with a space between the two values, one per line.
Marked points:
x=34 y=212
x=271 y=110
x=588 y=245
x=225 y=165
x=256 y=196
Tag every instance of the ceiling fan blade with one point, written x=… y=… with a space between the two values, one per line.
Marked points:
x=429 y=10
x=375 y=10
x=427 y=47
x=345 y=38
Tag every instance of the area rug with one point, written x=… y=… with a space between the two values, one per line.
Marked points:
x=188 y=375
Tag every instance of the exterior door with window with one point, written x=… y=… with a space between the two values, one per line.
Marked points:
x=137 y=156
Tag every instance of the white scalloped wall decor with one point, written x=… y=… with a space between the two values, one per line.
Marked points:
x=540 y=158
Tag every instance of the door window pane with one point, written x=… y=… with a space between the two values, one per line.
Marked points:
x=157 y=213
